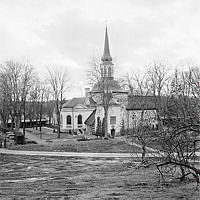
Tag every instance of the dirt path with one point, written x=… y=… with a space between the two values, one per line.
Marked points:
x=79 y=154
x=67 y=154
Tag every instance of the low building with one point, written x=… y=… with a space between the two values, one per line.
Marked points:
x=141 y=108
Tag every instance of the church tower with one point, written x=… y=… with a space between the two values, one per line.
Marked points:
x=106 y=65
x=107 y=71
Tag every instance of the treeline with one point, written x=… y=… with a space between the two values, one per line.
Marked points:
x=173 y=148
x=23 y=95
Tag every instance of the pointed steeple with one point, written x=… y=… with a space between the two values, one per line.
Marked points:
x=106 y=54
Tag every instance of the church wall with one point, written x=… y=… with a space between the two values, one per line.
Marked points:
x=114 y=111
x=134 y=117
x=74 y=118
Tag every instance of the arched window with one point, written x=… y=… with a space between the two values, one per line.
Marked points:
x=101 y=71
x=79 y=119
x=105 y=71
x=69 y=119
x=109 y=71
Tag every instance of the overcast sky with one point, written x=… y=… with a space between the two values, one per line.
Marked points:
x=69 y=32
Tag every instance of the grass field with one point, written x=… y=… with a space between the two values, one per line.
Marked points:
x=34 y=177
x=72 y=145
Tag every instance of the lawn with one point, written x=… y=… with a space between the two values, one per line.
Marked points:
x=34 y=177
x=48 y=134
x=72 y=145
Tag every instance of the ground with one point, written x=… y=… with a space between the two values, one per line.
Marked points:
x=45 y=177
x=34 y=177
x=70 y=143
x=95 y=146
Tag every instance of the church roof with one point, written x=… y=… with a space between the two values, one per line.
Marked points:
x=73 y=102
x=106 y=54
x=91 y=119
x=138 y=102
x=111 y=85
x=92 y=102
x=76 y=101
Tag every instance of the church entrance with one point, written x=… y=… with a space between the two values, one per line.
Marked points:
x=112 y=132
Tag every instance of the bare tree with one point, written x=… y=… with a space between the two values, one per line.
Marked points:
x=178 y=138
x=58 y=81
x=48 y=105
x=41 y=104
x=104 y=89
x=158 y=75
x=159 y=81
x=94 y=71
x=17 y=81
x=33 y=103
x=139 y=84
x=176 y=141
x=5 y=105
x=141 y=127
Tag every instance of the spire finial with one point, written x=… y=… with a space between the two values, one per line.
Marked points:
x=106 y=23
x=106 y=53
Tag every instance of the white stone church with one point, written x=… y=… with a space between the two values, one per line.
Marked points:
x=80 y=114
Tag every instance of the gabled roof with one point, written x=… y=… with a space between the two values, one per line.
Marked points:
x=73 y=102
x=136 y=102
x=78 y=101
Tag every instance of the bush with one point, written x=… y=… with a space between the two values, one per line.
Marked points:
x=122 y=130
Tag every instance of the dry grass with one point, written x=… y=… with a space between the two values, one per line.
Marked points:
x=33 y=177
x=72 y=145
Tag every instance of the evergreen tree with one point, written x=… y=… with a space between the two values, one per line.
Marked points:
x=98 y=128
x=122 y=130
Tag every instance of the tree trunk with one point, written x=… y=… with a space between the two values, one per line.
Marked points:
x=31 y=123
x=143 y=153
x=36 y=123
x=49 y=121
x=41 y=117
x=182 y=173
x=17 y=122
x=58 y=131
x=5 y=143
x=58 y=118
x=106 y=122
x=24 y=119
x=12 y=122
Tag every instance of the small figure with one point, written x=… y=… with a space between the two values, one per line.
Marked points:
x=113 y=133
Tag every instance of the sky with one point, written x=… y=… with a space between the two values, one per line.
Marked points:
x=67 y=33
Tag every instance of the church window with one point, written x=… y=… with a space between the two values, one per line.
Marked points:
x=79 y=119
x=109 y=71
x=112 y=120
x=101 y=71
x=105 y=71
x=69 y=119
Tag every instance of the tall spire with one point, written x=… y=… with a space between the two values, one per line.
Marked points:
x=106 y=54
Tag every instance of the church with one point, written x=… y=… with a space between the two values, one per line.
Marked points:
x=106 y=97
